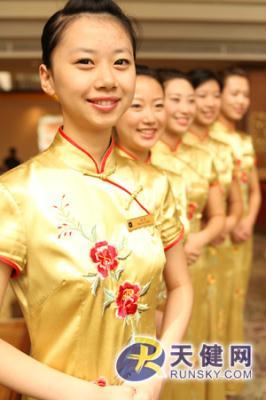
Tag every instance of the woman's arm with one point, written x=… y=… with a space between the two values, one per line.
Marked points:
x=214 y=226
x=244 y=228
x=179 y=296
x=234 y=211
x=23 y=374
x=235 y=207
x=176 y=314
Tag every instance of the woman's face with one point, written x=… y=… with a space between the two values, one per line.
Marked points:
x=142 y=124
x=235 y=98
x=180 y=105
x=208 y=103
x=93 y=73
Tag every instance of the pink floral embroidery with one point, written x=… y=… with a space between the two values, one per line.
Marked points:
x=192 y=207
x=105 y=256
x=127 y=299
x=107 y=260
x=244 y=177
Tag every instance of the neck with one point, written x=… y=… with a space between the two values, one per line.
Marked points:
x=231 y=125
x=172 y=140
x=201 y=131
x=94 y=142
x=140 y=155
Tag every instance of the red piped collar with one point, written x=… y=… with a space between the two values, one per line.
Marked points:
x=78 y=158
x=127 y=154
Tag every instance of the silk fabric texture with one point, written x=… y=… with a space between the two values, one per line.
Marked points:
x=85 y=283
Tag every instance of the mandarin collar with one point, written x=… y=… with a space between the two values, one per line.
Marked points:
x=191 y=139
x=127 y=154
x=77 y=158
x=167 y=147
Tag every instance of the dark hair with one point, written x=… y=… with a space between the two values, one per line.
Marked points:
x=148 y=71
x=168 y=74
x=199 y=76
x=232 y=71
x=57 y=23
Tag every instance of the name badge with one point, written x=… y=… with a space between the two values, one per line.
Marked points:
x=140 y=222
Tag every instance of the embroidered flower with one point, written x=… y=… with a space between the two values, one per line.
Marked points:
x=192 y=207
x=105 y=256
x=101 y=382
x=127 y=299
x=244 y=177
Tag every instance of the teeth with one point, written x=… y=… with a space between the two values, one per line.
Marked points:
x=104 y=103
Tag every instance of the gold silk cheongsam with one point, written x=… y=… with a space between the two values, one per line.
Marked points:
x=239 y=255
x=164 y=163
x=86 y=278
x=196 y=166
x=220 y=268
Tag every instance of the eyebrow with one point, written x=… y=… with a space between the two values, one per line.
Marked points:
x=91 y=51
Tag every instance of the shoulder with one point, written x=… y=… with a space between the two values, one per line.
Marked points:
x=17 y=179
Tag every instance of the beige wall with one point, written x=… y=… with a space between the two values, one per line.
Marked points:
x=19 y=114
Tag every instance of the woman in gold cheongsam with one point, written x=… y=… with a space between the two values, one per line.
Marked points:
x=86 y=234
x=235 y=102
x=208 y=88
x=204 y=200
x=141 y=127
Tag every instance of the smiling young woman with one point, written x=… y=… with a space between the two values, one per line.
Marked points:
x=86 y=234
x=205 y=210
x=235 y=103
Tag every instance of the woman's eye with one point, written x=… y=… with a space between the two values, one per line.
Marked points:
x=159 y=105
x=135 y=105
x=175 y=99
x=85 y=61
x=122 y=61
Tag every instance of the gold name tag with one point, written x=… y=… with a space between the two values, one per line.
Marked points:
x=140 y=222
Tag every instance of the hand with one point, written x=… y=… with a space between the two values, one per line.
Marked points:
x=193 y=247
x=118 y=392
x=220 y=239
x=243 y=231
x=149 y=390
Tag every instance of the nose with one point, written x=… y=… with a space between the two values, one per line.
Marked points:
x=210 y=101
x=149 y=117
x=105 y=78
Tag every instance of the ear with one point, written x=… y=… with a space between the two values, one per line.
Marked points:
x=46 y=78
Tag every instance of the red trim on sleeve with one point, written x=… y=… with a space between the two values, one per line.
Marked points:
x=215 y=183
x=180 y=237
x=16 y=271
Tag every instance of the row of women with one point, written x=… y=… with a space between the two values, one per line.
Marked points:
x=146 y=175
x=186 y=125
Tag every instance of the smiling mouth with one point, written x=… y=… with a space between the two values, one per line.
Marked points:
x=104 y=104
x=148 y=133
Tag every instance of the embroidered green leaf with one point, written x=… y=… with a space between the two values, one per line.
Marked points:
x=93 y=234
x=109 y=298
x=145 y=289
x=143 y=307
x=125 y=256
x=90 y=275
x=122 y=244
x=137 y=317
x=95 y=285
x=117 y=273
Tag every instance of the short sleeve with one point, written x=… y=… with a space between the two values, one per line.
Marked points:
x=214 y=178
x=168 y=222
x=12 y=236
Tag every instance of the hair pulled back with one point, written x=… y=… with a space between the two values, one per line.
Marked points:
x=168 y=74
x=200 y=76
x=57 y=23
